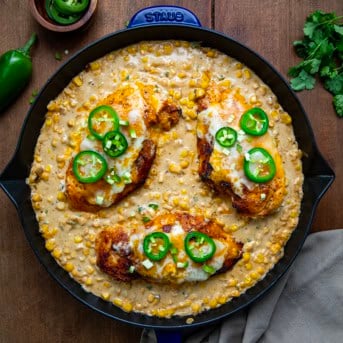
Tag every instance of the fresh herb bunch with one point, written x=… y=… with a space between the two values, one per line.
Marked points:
x=322 y=53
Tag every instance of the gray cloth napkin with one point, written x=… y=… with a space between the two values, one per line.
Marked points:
x=306 y=305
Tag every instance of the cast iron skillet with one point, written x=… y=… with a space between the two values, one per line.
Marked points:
x=159 y=23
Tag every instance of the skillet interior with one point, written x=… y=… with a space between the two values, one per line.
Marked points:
x=318 y=175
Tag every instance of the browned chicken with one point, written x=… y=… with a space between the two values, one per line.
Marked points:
x=134 y=103
x=123 y=256
x=222 y=168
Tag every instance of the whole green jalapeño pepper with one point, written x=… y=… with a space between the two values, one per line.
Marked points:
x=15 y=72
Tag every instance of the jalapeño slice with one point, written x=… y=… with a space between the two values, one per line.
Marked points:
x=59 y=17
x=114 y=143
x=199 y=247
x=254 y=122
x=71 y=6
x=156 y=245
x=259 y=165
x=89 y=166
x=102 y=120
x=226 y=137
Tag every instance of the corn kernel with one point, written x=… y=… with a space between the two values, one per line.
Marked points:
x=259 y=258
x=294 y=214
x=85 y=252
x=181 y=75
x=190 y=104
x=184 y=164
x=77 y=81
x=260 y=270
x=233 y=282
x=88 y=281
x=90 y=270
x=168 y=49
x=78 y=239
x=50 y=244
x=61 y=196
x=222 y=299
x=213 y=303
x=195 y=307
x=117 y=302
x=254 y=275
x=226 y=83
x=211 y=53
x=177 y=95
x=246 y=256
x=36 y=197
x=184 y=153
x=239 y=65
x=184 y=205
x=204 y=84
x=45 y=176
x=248 y=266
x=94 y=65
x=286 y=118
x=173 y=168
x=106 y=284
x=37 y=205
x=105 y=295
x=192 y=83
x=127 y=306
x=235 y=293
x=131 y=50
x=176 y=201
x=69 y=267
x=56 y=253
x=199 y=93
x=233 y=228
x=239 y=74
x=247 y=74
x=48 y=122
x=151 y=298
x=145 y=59
x=275 y=248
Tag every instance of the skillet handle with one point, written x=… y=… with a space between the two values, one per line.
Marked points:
x=156 y=15
x=168 y=336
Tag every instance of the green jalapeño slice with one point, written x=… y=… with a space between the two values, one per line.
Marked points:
x=199 y=247
x=89 y=166
x=114 y=143
x=259 y=165
x=226 y=137
x=71 y=6
x=156 y=246
x=102 y=120
x=255 y=122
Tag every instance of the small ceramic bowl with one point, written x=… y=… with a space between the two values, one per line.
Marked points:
x=37 y=8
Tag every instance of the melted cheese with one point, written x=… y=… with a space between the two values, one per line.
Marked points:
x=123 y=164
x=167 y=268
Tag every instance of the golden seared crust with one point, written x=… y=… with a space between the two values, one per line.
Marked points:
x=168 y=116
x=113 y=253
x=79 y=193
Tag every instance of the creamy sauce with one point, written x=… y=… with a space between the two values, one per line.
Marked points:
x=177 y=70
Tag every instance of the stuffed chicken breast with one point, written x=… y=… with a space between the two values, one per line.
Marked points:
x=237 y=153
x=173 y=248
x=118 y=147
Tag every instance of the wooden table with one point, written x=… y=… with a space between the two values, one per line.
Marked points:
x=34 y=308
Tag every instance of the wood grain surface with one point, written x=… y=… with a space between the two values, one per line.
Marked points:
x=33 y=307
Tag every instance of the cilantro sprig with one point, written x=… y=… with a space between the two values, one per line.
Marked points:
x=322 y=54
